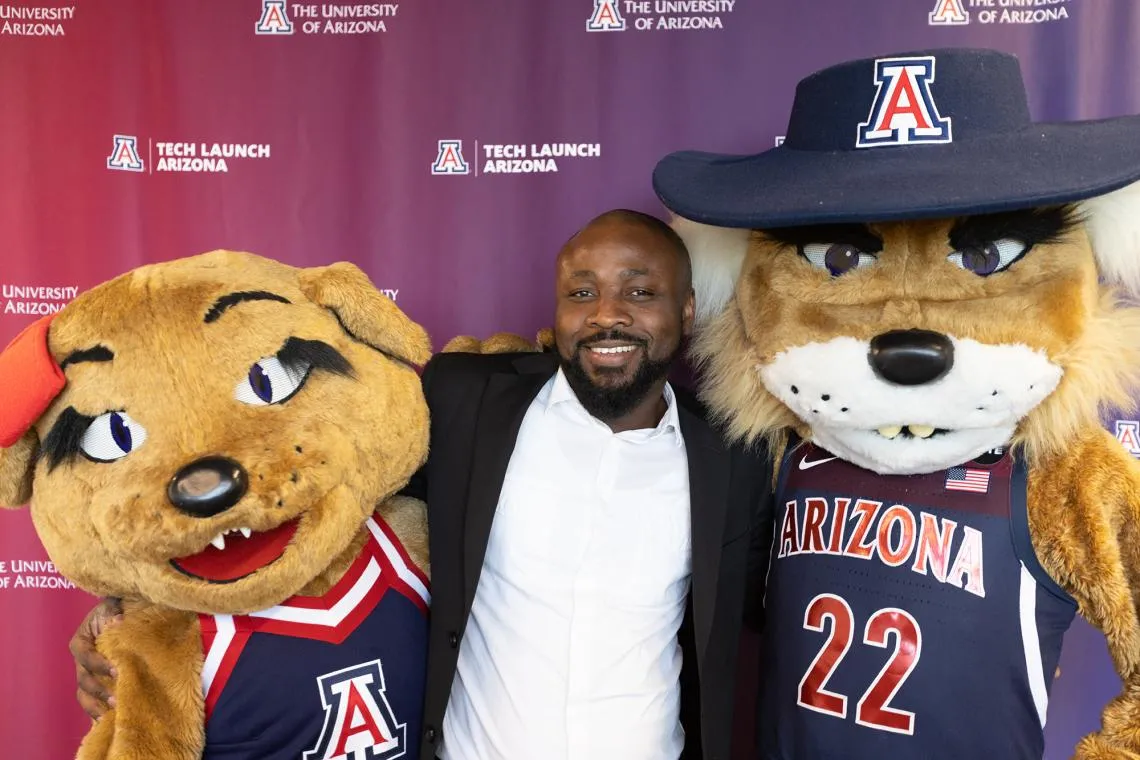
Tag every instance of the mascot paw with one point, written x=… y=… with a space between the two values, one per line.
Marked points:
x=500 y=343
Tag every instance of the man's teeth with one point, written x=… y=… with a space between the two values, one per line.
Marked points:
x=613 y=349
x=219 y=541
x=918 y=431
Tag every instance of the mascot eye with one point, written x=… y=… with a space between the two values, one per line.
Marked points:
x=111 y=436
x=271 y=382
x=989 y=258
x=836 y=258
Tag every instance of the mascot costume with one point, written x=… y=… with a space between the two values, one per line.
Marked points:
x=218 y=440
x=915 y=299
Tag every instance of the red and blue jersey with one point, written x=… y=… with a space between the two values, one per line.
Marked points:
x=318 y=678
x=907 y=617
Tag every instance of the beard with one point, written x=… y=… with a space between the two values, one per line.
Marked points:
x=609 y=401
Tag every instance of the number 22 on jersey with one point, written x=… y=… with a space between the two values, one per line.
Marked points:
x=872 y=709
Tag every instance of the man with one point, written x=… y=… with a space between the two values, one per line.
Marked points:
x=591 y=535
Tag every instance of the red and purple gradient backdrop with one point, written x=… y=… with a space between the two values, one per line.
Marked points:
x=348 y=106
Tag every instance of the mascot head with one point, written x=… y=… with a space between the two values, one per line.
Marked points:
x=211 y=433
x=919 y=273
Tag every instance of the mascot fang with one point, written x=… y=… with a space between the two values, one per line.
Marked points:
x=915 y=299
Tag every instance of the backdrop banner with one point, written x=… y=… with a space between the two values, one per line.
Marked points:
x=448 y=147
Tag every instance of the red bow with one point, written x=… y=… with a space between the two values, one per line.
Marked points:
x=30 y=380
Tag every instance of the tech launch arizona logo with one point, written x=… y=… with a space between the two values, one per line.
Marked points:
x=194 y=157
x=507 y=158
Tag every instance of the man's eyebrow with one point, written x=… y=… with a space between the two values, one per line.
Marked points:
x=624 y=273
x=232 y=299
x=93 y=354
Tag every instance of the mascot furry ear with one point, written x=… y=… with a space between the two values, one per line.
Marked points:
x=366 y=313
x=219 y=441
x=919 y=300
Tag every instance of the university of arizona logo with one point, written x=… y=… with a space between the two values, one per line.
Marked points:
x=948 y=13
x=125 y=155
x=449 y=158
x=1128 y=433
x=274 y=18
x=605 y=18
x=359 y=723
x=904 y=111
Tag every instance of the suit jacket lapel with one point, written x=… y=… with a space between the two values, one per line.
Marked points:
x=505 y=401
x=709 y=473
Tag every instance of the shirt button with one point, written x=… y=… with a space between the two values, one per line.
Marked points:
x=453 y=640
x=429 y=734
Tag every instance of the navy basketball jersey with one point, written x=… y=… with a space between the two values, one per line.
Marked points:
x=907 y=616
x=318 y=678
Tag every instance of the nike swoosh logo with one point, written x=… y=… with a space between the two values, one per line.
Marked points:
x=806 y=465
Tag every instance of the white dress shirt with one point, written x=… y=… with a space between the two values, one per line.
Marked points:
x=571 y=652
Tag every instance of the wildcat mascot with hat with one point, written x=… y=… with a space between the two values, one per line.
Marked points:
x=916 y=299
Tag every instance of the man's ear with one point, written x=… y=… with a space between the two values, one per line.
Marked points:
x=17 y=465
x=365 y=313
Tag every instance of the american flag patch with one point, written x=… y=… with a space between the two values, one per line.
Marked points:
x=967 y=479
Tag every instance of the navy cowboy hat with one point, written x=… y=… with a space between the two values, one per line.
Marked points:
x=915 y=135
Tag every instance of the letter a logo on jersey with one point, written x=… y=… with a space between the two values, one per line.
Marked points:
x=605 y=17
x=125 y=155
x=449 y=158
x=948 y=13
x=274 y=19
x=904 y=111
x=1128 y=433
x=359 y=723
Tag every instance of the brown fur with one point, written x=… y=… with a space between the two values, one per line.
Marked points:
x=1051 y=301
x=328 y=456
x=1084 y=489
x=500 y=343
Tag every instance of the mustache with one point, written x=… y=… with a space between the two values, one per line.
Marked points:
x=614 y=335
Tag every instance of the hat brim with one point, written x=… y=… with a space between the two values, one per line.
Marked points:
x=1047 y=163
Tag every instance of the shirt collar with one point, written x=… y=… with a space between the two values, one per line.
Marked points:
x=560 y=393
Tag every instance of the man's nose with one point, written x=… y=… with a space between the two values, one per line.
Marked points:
x=610 y=312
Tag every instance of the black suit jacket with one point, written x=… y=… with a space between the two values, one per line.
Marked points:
x=477 y=405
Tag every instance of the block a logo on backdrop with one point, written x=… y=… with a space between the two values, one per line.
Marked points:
x=1128 y=433
x=178 y=156
x=655 y=15
x=36 y=21
x=282 y=19
x=962 y=12
x=507 y=158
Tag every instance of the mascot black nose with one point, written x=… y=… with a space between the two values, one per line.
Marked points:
x=208 y=486
x=911 y=357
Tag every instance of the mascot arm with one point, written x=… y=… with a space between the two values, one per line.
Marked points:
x=407 y=517
x=1085 y=525
x=500 y=343
x=160 y=709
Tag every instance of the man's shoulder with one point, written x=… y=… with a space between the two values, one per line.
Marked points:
x=691 y=402
x=463 y=367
